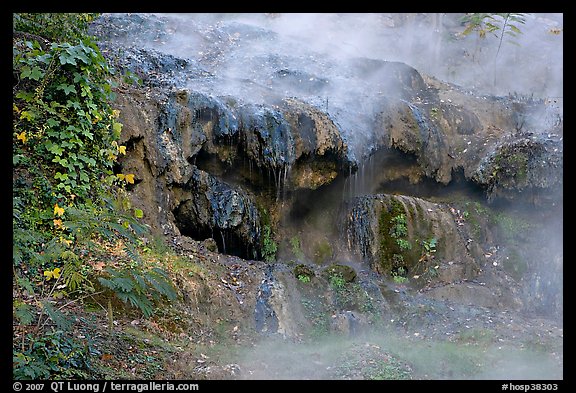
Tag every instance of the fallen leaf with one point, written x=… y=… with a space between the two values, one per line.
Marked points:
x=99 y=266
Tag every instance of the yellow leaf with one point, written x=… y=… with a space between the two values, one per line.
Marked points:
x=122 y=149
x=52 y=273
x=130 y=178
x=22 y=136
x=58 y=211
x=58 y=223
x=120 y=176
x=65 y=241
x=115 y=113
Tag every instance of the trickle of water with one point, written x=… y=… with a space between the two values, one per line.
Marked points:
x=223 y=243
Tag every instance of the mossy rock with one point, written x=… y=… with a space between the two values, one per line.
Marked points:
x=210 y=244
x=303 y=270
x=346 y=272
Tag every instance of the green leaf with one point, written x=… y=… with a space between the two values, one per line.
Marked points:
x=87 y=134
x=25 y=95
x=61 y=161
x=61 y=176
x=73 y=104
x=515 y=29
x=117 y=127
x=28 y=115
x=51 y=122
x=62 y=321
x=138 y=213
x=54 y=148
x=26 y=284
x=23 y=312
x=84 y=176
x=66 y=58
x=67 y=89
x=17 y=159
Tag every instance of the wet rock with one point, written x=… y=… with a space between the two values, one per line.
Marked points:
x=266 y=320
x=396 y=231
x=347 y=273
x=214 y=209
x=522 y=167
x=347 y=323
x=467 y=293
x=394 y=79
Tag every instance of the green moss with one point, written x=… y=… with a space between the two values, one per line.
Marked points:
x=322 y=252
x=345 y=272
x=393 y=236
x=302 y=270
x=510 y=227
x=296 y=247
x=476 y=214
x=510 y=168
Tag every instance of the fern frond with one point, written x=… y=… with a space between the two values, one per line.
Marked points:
x=23 y=312
x=58 y=317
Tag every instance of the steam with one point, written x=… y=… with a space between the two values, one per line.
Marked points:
x=529 y=63
x=263 y=58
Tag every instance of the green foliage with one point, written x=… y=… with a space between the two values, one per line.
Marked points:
x=399 y=275
x=67 y=202
x=399 y=230
x=53 y=355
x=23 y=312
x=429 y=246
x=110 y=219
x=304 y=278
x=497 y=24
x=399 y=226
x=58 y=27
x=269 y=246
x=296 y=247
x=393 y=233
x=62 y=117
x=337 y=281
x=140 y=288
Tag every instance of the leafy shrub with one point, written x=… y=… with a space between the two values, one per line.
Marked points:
x=53 y=355
x=269 y=246
x=139 y=287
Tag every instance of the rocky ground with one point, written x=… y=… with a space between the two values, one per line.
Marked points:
x=213 y=332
